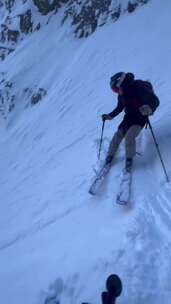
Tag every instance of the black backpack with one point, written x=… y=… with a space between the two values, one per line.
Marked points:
x=146 y=93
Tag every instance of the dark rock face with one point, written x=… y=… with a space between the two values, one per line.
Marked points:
x=36 y=97
x=94 y=13
x=14 y=27
x=13 y=35
x=9 y=5
x=133 y=5
x=26 y=24
x=10 y=97
x=7 y=34
x=5 y=96
x=86 y=20
x=85 y=16
x=4 y=51
x=44 y=6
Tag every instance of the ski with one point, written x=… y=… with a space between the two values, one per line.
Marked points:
x=99 y=179
x=124 y=194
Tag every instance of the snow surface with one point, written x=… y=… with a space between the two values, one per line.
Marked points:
x=55 y=237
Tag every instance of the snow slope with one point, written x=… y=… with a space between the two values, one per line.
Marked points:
x=51 y=228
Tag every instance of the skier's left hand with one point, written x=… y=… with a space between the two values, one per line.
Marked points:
x=145 y=110
x=106 y=117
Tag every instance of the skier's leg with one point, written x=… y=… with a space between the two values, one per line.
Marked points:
x=130 y=142
x=116 y=140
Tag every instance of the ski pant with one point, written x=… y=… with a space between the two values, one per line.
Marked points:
x=130 y=140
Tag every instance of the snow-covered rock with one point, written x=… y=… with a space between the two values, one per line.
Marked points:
x=18 y=18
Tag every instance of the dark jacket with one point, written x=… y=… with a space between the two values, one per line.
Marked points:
x=135 y=95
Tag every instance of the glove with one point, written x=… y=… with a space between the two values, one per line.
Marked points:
x=145 y=110
x=106 y=117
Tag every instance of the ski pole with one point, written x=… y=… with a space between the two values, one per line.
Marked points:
x=158 y=150
x=101 y=139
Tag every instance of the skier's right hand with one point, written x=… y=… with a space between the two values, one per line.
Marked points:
x=106 y=117
x=145 y=110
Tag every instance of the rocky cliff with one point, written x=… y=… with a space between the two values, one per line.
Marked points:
x=19 y=18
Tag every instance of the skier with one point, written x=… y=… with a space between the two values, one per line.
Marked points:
x=139 y=101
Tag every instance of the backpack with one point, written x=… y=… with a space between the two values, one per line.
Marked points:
x=146 y=93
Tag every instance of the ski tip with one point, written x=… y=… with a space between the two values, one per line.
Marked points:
x=91 y=192
x=121 y=202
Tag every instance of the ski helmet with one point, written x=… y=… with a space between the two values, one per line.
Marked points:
x=119 y=79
